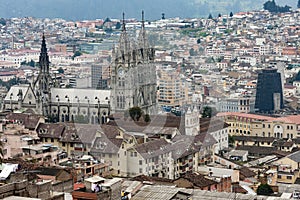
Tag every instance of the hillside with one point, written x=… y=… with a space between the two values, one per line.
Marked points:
x=92 y=9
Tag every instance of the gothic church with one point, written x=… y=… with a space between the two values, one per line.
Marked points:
x=133 y=83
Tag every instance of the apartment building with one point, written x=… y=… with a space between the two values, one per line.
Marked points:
x=171 y=88
x=263 y=126
x=238 y=104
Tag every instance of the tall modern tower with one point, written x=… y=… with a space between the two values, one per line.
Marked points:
x=269 y=96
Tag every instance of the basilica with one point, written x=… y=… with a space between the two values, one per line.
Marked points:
x=133 y=83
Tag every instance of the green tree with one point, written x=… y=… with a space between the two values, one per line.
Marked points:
x=207 y=112
x=61 y=70
x=231 y=140
x=118 y=25
x=107 y=20
x=135 y=113
x=3 y=21
x=210 y=16
x=264 y=189
x=272 y=7
x=298 y=4
x=192 y=52
x=32 y=63
x=77 y=53
x=219 y=15
x=147 y=118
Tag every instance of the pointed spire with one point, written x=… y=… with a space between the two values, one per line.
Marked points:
x=142 y=38
x=123 y=27
x=43 y=47
x=143 y=20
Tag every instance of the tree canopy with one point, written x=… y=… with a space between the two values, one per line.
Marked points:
x=272 y=7
x=207 y=112
x=61 y=70
x=264 y=189
x=135 y=113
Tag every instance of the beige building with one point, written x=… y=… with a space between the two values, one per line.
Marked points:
x=171 y=88
x=262 y=126
x=288 y=168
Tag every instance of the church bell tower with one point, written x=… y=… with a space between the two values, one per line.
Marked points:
x=43 y=82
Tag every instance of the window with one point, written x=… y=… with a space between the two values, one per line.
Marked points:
x=289 y=177
x=135 y=154
x=52 y=140
x=63 y=144
x=71 y=144
x=140 y=162
x=46 y=139
x=124 y=153
x=278 y=176
x=263 y=125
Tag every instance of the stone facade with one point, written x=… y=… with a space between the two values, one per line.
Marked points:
x=133 y=74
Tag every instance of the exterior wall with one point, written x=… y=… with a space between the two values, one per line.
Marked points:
x=252 y=126
x=184 y=165
x=63 y=186
x=13 y=189
x=170 y=88
x=288 y=163
x=285 y=177
x=243 y=105
x=221 y=136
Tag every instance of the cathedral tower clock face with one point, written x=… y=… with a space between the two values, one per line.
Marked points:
x=121 y=72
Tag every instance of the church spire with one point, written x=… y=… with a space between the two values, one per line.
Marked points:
x=123 y=49
x=44 y=58
x=142 y=38
x=143 y=20
x=123 y=24
x=44 y=82
x=43 y=47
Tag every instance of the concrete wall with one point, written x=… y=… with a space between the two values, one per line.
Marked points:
x=64 y=186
